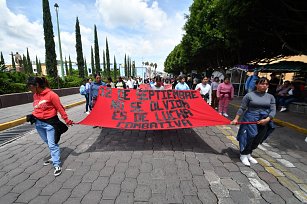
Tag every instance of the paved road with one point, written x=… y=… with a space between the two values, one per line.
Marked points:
x=198 y=165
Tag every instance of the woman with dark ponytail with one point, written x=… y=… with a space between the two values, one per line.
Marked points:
x=46 y=105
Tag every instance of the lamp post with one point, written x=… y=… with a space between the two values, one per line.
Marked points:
x=56 y=6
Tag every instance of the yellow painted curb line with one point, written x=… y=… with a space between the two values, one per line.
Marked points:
x=13 y=123
x=283 y=123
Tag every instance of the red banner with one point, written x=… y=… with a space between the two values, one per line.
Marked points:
x=151 y=110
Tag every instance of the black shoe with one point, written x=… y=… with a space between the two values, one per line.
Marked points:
x=46 y=163
x=57 y=171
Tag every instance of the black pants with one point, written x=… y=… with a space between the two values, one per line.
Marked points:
x=255 y=141
x=87 y=105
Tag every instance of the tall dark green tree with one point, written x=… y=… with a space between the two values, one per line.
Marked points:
x=115 y=69
x=66 y=68
x=51 y=63
x=25 y=64
x=85 y=68
x=70 y=66
x=104 y=61
x=108 y=58
x=126 y=66
x=38 y=68
x=29 y=63
x=133 y=69
x=80 y=60
x=96 y=50
x=13 y=61
x=2 y=60
x=92 y=61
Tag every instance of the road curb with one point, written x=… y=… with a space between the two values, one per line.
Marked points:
x=13 y=123
x=283 y=123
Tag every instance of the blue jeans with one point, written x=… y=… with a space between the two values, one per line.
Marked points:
x=283 y=101
x=46 y=132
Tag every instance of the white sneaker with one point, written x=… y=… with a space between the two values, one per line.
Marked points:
x=220 y=113
x=244 y=160
x=251 y=159
x=225 y=114
x=57 y=170
x=87 y=112
x=283 y=109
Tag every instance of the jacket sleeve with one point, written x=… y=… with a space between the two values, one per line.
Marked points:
x=55 y=99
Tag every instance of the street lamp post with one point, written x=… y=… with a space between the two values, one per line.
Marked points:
x=56 y=6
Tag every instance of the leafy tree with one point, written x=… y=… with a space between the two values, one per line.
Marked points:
x=96 y=48
x=92 y=62
x=115 y=69
x=85 y=68
x=70 y=66
x=80 y=60
x=108 y=59
x=66 y=67
x=51 y=63
x=29 y=64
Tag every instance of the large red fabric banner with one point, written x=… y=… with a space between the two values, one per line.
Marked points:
x=151 y=110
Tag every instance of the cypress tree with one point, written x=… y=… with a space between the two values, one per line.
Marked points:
x=96 y=48
x=38 y=68
x=85 y=69
x=2 y=59
x=80 y=60
x=92 y=61
x=66 y=67
x=126 y=70
x=29 y=63
x=51 y=63
x=25 y=64
x=104 y=61
x=70 y=66
x=13 y=61
x=108 y=59
x=115 y=69
x=133 y=69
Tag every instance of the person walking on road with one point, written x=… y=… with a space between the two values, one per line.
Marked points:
x=205 y=90
x=46 y=105
x=94 y=89
x=214 y=85
x=87 y=95
x=224 y=93
x=258 y=107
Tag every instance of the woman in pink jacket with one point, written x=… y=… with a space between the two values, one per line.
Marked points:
x=225 y=92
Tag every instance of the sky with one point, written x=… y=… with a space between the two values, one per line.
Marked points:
x=146 y=30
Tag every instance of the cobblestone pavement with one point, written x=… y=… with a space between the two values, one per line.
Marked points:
x=198 y=165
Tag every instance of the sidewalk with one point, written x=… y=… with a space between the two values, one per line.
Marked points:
x=199 y=165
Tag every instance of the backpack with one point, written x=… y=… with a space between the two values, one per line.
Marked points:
x=82 y=90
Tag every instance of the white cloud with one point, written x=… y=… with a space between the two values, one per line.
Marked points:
x=142 y=31
x=17 y=33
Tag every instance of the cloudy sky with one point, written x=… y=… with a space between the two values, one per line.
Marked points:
x=146 y=30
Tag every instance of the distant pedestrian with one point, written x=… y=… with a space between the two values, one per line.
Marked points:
x=224 y=93
x=158 y=84
x=46 y=106
x=251 y=81
x=181 y=84
x=87 y=95
x=110 y=83
x=94 y=88
x=214 y=85
x=205 y=90
x=257 y=106
x=120 y=84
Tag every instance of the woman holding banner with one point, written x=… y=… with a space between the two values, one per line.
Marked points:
x=224 y=93
x=158 y=85
x=94 y=88
x=46 y=106
x=258 y=109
